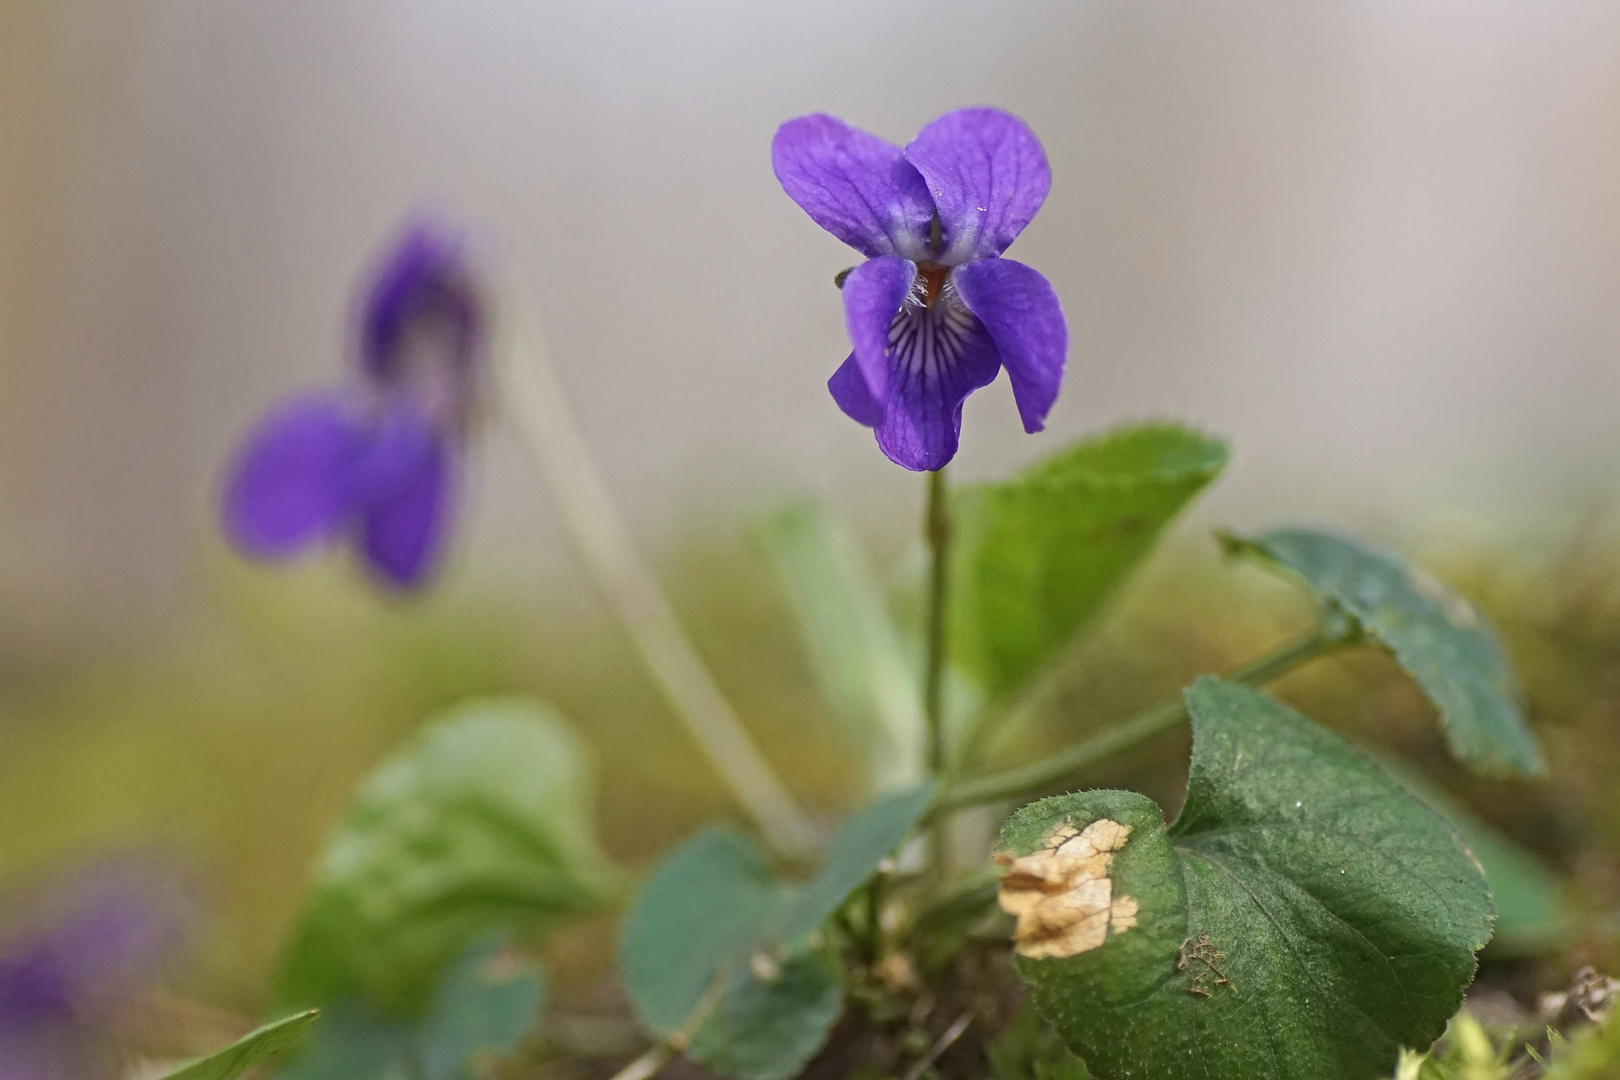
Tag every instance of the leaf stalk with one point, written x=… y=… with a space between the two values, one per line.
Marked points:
x=1137 y=729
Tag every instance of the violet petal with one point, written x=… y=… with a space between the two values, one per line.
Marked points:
x=403 y=531
x=850 y=391
x=288 y=486
x=402 y=442
x=987 y=175
x=855 y=185
x=940 y=356
x=873 y=293
x=424 y=276
x=1021 y=312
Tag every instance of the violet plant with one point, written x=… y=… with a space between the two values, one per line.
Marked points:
x=1305 y=914
x=374 y=463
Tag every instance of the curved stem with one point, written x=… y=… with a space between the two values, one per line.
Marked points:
x=1128 y=733
x=604 y=545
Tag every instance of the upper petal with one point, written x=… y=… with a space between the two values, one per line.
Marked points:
x=1022 y=314
x=855 y=185
x=403 y=531
x=422 y=288
x=288 y=485
x=873 y=294
x=938 y=356
x=987 y=175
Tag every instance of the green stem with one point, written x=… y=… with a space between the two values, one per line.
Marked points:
x=1128 y=733
x=937 y=531
x=874 y=918
x=605 y=546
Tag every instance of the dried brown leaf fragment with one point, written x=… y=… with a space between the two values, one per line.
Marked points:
x=1062 y=895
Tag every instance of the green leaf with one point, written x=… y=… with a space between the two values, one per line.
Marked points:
x=482 y=1007
x=482 y=822
x=695 y=918
x=1436 y=635
x=488 y=1001
x=1304 y=916
x=718 y=950
x=249 y=1050
x=698 y=962
x=855 y=650
x=858 y=846
x=353 y=1043
x=1535 y=910
x=768 y=1024
x=1592 y=1053
x=1034 y=557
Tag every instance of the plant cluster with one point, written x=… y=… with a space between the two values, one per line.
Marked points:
x=1307 y=912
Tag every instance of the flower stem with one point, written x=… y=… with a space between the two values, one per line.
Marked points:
x=604 y=544
x=1128 y=733
x=937 y=532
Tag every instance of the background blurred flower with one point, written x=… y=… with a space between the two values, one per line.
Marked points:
x=76 y=959
x=934 y=312
x=374 y=461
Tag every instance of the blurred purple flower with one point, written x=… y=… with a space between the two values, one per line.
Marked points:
x=68 y=972
x=375 y=461
x=934 y=313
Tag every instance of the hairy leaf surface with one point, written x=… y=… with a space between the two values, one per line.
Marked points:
x=1435 y=634
x=1536 y=911
x=1304 y=916
x=482 y=822
x=1035 y=556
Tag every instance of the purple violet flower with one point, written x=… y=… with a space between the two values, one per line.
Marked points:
x=68 y=974
x=376 y=461
x=935 y=312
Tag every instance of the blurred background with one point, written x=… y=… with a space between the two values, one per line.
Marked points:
x=1376 y=244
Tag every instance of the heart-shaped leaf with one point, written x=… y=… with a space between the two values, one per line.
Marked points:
x=1535 y=909
x=1304 y=916
x=719 y=953
x=700 y=913
x=481 y=823
x=249 y=1050
x=768 y=1023
x=1435 y=634
x=1035 y=556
